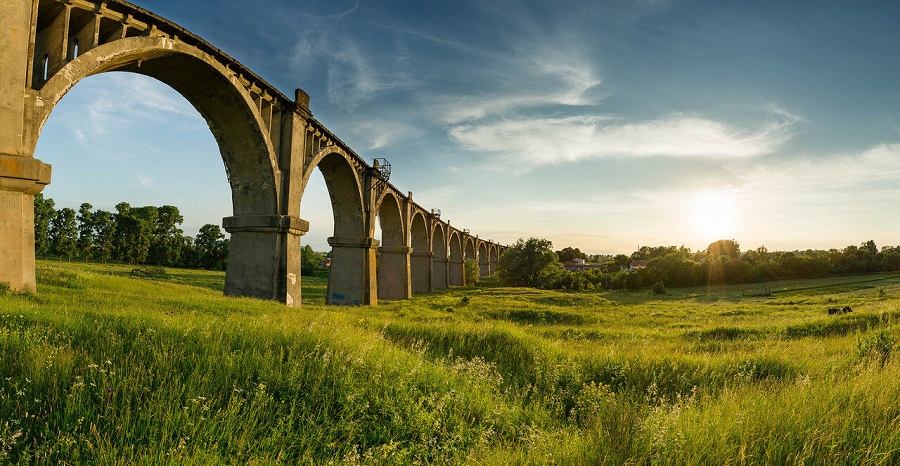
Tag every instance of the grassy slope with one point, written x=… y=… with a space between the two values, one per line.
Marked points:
x=102 y=367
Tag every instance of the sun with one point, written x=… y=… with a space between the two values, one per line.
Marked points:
x=714 y=215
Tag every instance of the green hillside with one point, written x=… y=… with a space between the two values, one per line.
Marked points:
x=105 y=367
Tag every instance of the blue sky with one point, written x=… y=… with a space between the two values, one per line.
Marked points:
x=603 y=125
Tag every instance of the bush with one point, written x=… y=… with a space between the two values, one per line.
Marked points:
x=529 y=263
x=659 y=288
x=156 y=272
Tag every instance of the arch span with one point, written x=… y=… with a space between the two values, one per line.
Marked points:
x=457 y=263
x=393 y=267
x=420 y=261
x=440 y=265
x=262 y=239
x=350 y=280
x=229 y=110
x=484 y=265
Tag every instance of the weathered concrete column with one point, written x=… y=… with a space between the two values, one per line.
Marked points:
x=420 y=266
x=20 y=179
x=457 y=272
x=393 y=273
x=264 y=257
x=440 y=275
x=352 y=280
x=21 y=175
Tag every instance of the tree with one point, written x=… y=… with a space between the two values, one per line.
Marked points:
x=165 y=248
x=568 y=253
x=64 y=233
x=85 y=231
x=132 y=238
x=189 y=258
x=724 y=247
x=211 y=246
x=104 y=234
x=621 y=261
x=528 y=263
x=310 y=260
x=473 y=271
x=44 y=213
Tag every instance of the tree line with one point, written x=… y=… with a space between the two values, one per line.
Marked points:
x=534 y=263
x=135 y=235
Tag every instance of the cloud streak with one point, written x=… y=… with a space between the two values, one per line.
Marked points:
x=554 y=140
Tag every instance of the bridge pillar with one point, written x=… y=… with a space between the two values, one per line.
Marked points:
x=457 y=272
x=420 y=265
x=264 y=257
x=393 y=277
x=352 y=280
x=21 y=175
x=20 y=179
x=440 y=276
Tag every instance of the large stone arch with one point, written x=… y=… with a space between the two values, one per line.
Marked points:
x=495 y=257
x=470 y=248
x=352 y=270
x=420 y=260
x=393 y=267
x=439 y=269
x=457 y=263
x=259 y=252
x=484 y=264
x=345 y=190
x=228 y=109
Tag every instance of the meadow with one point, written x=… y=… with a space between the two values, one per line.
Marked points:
x=102 y=367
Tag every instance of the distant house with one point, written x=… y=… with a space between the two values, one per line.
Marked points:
x=574 y=264
x=635 y=265
x=577 y=262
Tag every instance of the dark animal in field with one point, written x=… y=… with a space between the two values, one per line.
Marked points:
x=839 y=310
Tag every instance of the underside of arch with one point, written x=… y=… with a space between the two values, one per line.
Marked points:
x=246 y=150
x=420 y=262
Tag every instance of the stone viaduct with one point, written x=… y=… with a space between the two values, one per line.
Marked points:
x=270 y=145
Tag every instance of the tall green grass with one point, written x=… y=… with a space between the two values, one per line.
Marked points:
x=102 y=367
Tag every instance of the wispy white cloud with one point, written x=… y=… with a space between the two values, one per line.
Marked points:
x=137 y=100
x=541 y=141
x=144 y=180
x=376 y=134
x=354 y=73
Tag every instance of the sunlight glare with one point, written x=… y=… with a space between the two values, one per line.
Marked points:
x=714 y=215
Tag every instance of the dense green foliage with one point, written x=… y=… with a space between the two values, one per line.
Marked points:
x=720 y=263
x=528 y=263
x=310 y=261
x=102 y=367
x=473 y=271
x=136 y=235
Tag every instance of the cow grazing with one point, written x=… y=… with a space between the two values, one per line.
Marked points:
x=839 y=310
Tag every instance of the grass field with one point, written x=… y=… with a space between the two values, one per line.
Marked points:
x=105 y=368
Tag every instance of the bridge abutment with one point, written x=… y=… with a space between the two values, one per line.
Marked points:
x=264 y=257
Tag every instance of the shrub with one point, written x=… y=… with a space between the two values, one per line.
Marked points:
x=659 y=288
x=157 y=272
x=529 y=263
